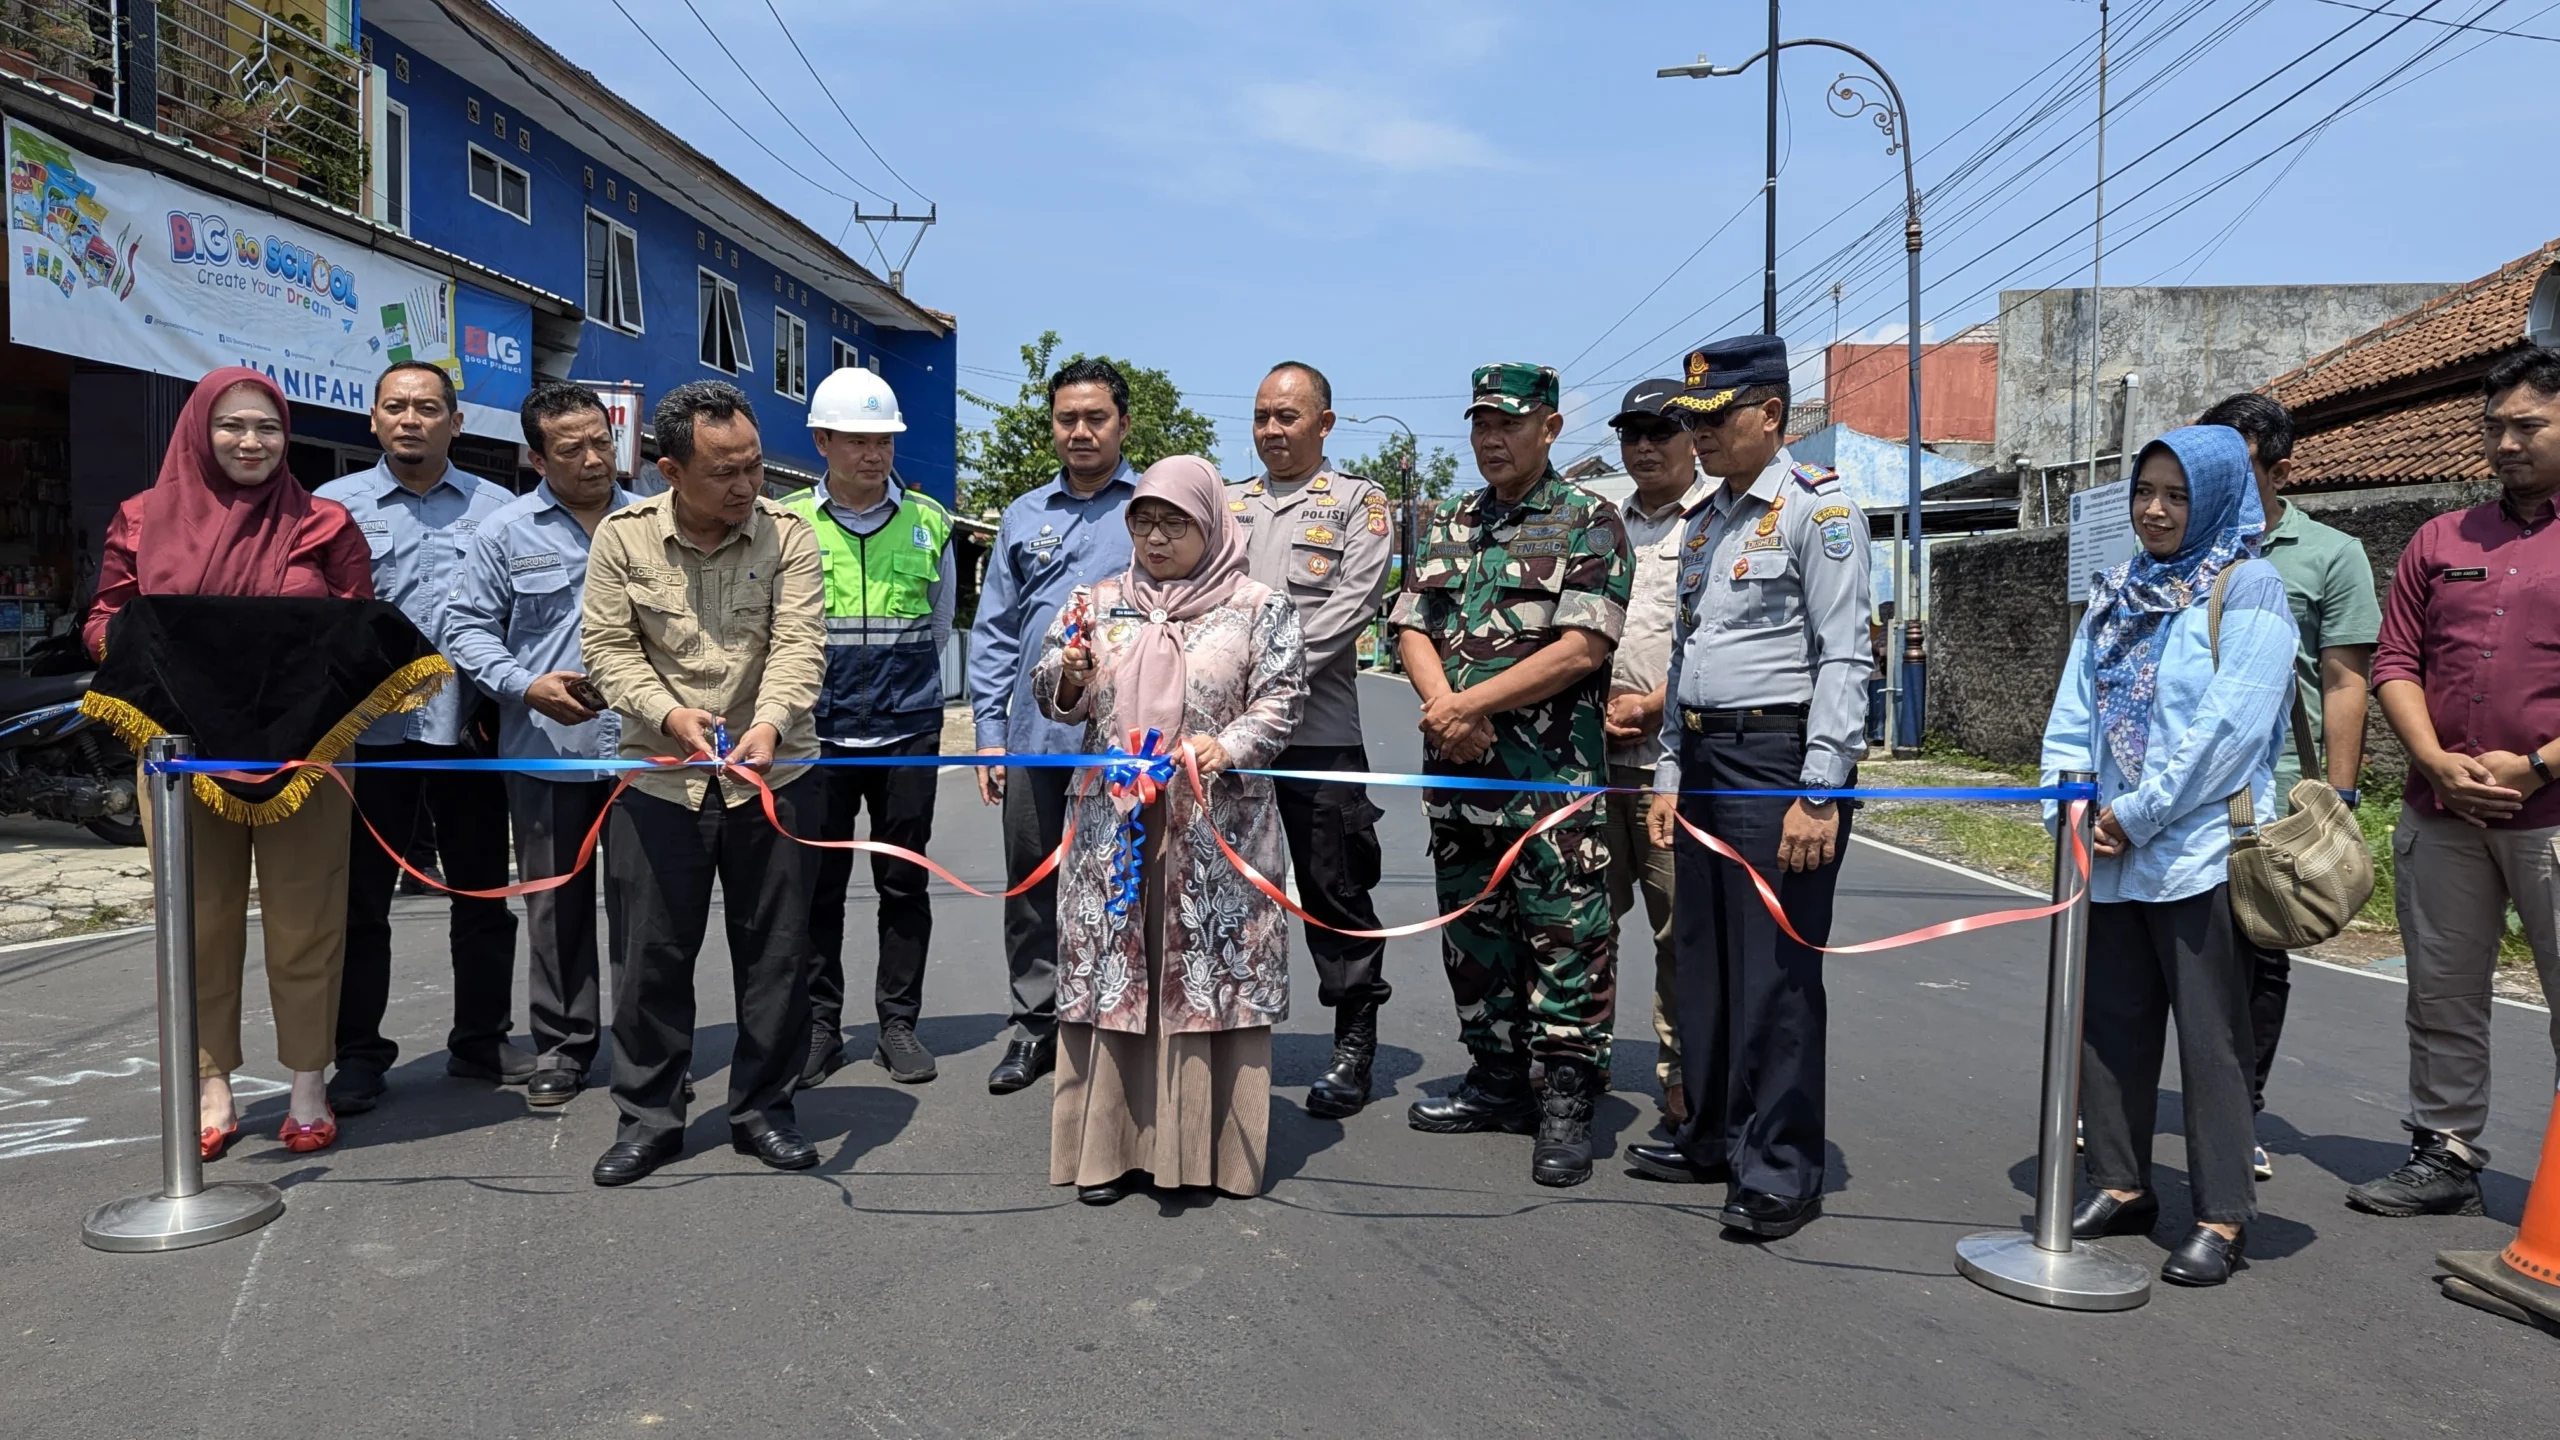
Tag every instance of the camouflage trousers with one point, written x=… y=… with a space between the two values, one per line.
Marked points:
x=1532 y=968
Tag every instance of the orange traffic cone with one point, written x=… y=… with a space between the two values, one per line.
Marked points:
x=2521 y=1282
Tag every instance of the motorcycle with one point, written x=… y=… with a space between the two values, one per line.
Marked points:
x=57 y=763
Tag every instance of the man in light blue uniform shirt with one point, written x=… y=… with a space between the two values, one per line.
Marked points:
x=511 y=627
x=1069 y=532
x=418 y=514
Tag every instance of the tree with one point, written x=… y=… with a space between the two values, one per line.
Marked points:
x=1013 y=453
x=1433 y=478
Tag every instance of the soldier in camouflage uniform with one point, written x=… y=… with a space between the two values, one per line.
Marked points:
x=1516 y=603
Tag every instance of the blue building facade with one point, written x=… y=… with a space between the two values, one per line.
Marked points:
x=683 y=273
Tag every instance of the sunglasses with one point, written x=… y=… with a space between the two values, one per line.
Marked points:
x=1648 y=434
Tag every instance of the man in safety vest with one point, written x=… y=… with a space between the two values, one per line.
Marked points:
x=886 y=553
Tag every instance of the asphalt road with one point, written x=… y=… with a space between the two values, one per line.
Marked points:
x=448 y=1270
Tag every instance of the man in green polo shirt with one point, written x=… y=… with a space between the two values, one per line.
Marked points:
x=2330 y=582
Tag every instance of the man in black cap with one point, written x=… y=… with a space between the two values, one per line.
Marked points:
x=1767 y=692
x=1655 y=448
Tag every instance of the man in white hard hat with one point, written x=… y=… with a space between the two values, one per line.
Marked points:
x=886 y=552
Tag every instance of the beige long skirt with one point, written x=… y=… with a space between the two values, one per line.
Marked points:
x=1187 y=1109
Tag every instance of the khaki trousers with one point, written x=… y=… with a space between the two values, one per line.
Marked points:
x=2454 y=882
x=301 y=866
x=1634 y=864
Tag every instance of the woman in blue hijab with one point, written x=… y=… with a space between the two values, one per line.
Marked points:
x=2172 y=736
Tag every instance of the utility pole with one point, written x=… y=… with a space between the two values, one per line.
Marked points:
x=2098 y=258
x=1769 y=275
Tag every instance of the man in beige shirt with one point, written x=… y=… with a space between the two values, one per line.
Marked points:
x=1664 y=465
x=704 y=626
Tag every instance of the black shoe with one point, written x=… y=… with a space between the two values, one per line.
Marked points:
x=778 y=1148
x=1672 y=1164
x=2204 y=1258
x=826 y=1056
x=552 y=1087
x=1767 y=1216
x=2435 y=1181
x=902 y=1054
x=1492 y=1097
x=2103 y=1214
x=631 y=1160
x=1024 y=1061
x=356 y=1088
x=1108 y=1193
x=1563 y=1153
x=1343 y=1089
x=500 y=1063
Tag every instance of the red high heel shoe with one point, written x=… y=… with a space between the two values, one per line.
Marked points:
x=211 y=1143
x=304 y=1139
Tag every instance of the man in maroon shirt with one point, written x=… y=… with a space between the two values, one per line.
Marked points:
x=2469 y=678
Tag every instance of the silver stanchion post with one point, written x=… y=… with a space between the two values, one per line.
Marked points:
x=2044 y=1266
x=184 y=1211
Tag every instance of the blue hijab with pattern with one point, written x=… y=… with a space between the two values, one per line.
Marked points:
x=2131 y=606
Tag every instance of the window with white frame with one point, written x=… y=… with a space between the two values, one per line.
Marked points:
x=844 y=357
x=723 y=326
x=391 y=164
x=613 y=274
x=500 y=185
x=790 y=355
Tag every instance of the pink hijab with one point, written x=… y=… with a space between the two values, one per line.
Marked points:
x=1153 y=677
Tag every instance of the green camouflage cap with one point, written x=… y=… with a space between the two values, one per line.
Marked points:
x=1514 y=388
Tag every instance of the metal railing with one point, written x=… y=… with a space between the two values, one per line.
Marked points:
x=260 y=89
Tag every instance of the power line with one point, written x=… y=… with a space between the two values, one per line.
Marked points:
x=2450 y=24
x=785 y=116
x=829 y=92
x=723 y=111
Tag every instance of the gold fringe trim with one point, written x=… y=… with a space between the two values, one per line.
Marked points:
x=408 y=687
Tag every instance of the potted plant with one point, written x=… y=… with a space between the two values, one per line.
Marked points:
x=17 y=38
x=66 y=51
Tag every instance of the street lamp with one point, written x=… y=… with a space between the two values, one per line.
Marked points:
x=1894 y=120
x=1405 y=510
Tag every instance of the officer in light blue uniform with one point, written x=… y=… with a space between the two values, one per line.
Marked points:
x=511 y=628
x=1767 y=687
x=418 y=514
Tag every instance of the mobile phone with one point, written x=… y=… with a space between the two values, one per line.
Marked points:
x=584 y=691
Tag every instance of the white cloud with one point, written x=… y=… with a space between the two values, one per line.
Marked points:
x=1350 y=126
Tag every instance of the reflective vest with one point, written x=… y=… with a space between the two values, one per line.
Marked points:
x=884 y=678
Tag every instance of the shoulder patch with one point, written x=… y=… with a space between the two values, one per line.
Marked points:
x=1830 y=513
x=1814 y=477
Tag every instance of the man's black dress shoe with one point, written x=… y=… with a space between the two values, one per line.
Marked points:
x=1024 y=1061
x=2204 y=1258
x=1672 y=1164
x=1492 y=1098
x=355 y=1089
x=552 y=1087
x=778 y=1148
x=2103 y=1214
x=631 y=1160
x=1767 y=1216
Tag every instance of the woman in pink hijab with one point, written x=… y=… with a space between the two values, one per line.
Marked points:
x=1171 y=970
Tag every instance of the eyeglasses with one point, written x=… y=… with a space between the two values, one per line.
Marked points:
x=1648 y=434
x=1694 y=421
x=1169 y=527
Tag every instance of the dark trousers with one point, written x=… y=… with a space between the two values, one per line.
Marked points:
x=2270 y=990
x=470 y=813
x=664 y=860
x=900 y=799
x=1035 y=817
x=1753 y=1017
x=2147 y=962
x=1333 y=849
x=552 y=818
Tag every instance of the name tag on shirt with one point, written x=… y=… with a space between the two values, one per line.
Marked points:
x=1042 y=542
x=1123 y=612
x=2467 y=572
x=525 y=564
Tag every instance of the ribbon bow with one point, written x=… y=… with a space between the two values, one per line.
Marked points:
x=1136 y=776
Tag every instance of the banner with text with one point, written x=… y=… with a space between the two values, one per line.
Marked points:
x=128 y=266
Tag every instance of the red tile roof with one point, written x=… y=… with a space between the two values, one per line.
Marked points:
x=2400 y=405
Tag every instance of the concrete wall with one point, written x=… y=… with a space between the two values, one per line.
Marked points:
x=2190 y=346
x=1999 y=632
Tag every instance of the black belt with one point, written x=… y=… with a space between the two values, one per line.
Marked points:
x=1777 y=719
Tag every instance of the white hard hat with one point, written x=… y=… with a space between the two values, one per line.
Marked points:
x=855 y=401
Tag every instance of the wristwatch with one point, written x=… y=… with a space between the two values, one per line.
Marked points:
x=2540 y=766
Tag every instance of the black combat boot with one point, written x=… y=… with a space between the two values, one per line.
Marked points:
x=2435 y=1181
x=1492 y=1097
x=1344 y=1087
x=1563 y=1155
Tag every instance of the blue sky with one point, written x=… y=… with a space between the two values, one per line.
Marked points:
x=1400 y=190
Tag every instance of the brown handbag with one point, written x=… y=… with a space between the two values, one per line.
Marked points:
x=2295 y=882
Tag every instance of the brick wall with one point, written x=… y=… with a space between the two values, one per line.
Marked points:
x=1998 y=632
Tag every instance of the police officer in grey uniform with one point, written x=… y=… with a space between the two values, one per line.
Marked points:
x=1767 y=692
x=1323 y=539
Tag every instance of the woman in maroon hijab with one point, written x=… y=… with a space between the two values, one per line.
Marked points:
x=228 y=518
